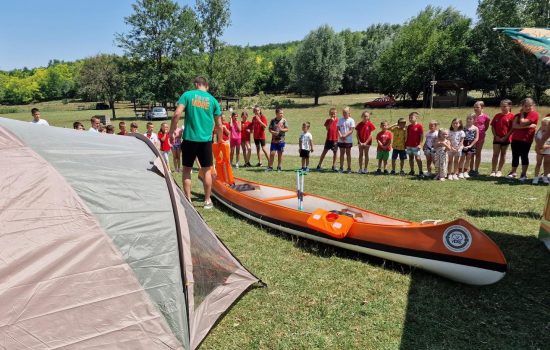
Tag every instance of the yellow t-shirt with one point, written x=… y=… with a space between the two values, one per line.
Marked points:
x=399 y=138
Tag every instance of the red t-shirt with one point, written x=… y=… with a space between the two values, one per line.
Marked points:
x=527 y=134
x=258 y=129
x=164 y=145
x=385 y=138
x=245 y=131
x=414 y=135
x=225 y=134
x=364 y=130
x=502 y=123
x=122 y=133
x=332 y=132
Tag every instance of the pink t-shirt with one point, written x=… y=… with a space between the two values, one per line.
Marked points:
x=481 y=121
x=235 y=133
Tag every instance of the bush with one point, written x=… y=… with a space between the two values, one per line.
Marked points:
x=267 y=101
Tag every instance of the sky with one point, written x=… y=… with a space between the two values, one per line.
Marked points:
x=33 y=32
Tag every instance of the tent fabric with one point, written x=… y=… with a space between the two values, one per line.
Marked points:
x=532 y=40
x=63 y=283
x=188 y=274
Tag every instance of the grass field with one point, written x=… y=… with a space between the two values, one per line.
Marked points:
x=64 y=115
x=319 y=297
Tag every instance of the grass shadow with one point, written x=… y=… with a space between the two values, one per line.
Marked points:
x=511 y=314
x=479 y=213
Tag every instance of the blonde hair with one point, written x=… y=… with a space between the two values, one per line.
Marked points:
x=527 y=102
x=440 y=133
x=471 y=116
x=480 y=104
x=545 y=120
x=346 y=109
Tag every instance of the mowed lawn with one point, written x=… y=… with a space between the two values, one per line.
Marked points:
x=64 y=115
x=320 y=297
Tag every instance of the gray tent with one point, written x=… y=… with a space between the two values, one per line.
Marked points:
x=99 y=248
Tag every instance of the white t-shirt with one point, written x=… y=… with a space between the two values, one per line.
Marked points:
x=344 y=126
x=538 y=136
x=431 y=137
x=455 y=137
x=92 y=130
x=40 y=122
x=154 y=137
x=305 y=138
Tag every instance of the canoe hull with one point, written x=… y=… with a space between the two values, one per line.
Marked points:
x=404 y=242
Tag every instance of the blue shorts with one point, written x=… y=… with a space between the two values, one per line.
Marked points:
x=413 y=151
x=401 y=153
x=277 y=147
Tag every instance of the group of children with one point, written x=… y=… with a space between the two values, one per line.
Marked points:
x=451 y=154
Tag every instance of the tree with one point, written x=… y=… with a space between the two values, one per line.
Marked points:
x=101 y=79
x=351 y=81
x=319 y=63
x=432 y=44
x=214 y=16
x=160 y=31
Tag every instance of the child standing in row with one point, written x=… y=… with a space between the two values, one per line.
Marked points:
x=399 y=132
x=481 y=120
x=431 y=138
x=176 y=149
x=165 y=146
x=306 y=145
x=542 y=147
x=415 y=134
x=278 y=126
x=456 y=138
x=331 y=142
x=364 y=140
x=122 y=128
x=471 y=138
x=441 y=147
x=246 y=129
x=384 y=140
x=501 y=125
x=235 y=139
x=346 y=125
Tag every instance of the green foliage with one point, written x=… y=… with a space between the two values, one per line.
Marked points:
x=351 y=81
x=101 y=79
x=319 y=63
x=215 y=17
x=432 y=44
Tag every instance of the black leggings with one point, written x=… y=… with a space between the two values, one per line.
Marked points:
x=520 y=149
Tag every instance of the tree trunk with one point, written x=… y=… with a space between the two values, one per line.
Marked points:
x=112 y=105
x=135 y=109
x=316 y=103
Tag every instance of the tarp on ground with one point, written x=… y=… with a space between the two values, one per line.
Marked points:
x=100 y=249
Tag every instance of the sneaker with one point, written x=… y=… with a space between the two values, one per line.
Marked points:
x=348 y=171
x=498 y=174
x=411 y=172
x=442 y=179
x=450 y=177
x=385 y=172
x=545 y=180
x=523 y=178
x=237 y=166
x=466 y=175
x=279 y=169
x=429 y=174
x=512 y=176
x=436 y=177
x=268 y=169
x=392 y=172
x=421 y=174
x=535 y=180
x=258 y=164
x=493 y=174
x=402 y=173
x=334 y=169
x=318 y=168
x=455 y=177
x=306 y=169
x=378 y=171
x=461 y=175
x=341 y=170
x=475 y=173
x=208 y=205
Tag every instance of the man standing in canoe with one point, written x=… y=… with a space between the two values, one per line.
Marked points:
x=202 y=115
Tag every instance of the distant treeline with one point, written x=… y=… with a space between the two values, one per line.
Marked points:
x=167 y=45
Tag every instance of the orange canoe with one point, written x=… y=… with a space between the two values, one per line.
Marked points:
x=456 y=250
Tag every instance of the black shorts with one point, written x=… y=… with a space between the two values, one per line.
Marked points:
x=345 y=145
x=258 y=142
x=502 y=143
x=304 y=153
x=333 y=145
x=191 y=150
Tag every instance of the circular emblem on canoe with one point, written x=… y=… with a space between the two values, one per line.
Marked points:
x=457 y=238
